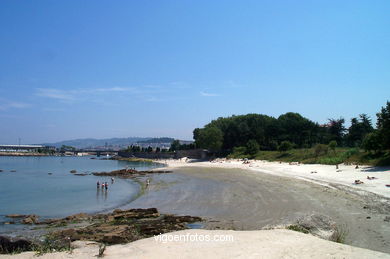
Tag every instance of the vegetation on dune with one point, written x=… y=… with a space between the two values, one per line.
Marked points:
x=291 y=137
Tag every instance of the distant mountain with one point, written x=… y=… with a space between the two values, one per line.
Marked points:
x=157 y=140
x=94 y=143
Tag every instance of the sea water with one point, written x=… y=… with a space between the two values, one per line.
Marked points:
x=45 y=186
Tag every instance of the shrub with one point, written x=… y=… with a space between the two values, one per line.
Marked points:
x=320 y=149
x=332 y=145
x=285 y=146
x=252 y=147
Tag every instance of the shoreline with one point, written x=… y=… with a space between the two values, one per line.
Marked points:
x=326 y=175
x=256 y=171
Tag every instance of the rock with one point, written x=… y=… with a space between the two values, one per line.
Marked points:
x=30 y=219
x=116 y=211
x=79 y=216
x=73 y=171
x=129 y=173
x=9 y=246
x=137 y=213
x=122 y=226
x=16 y=216
x=387 y=219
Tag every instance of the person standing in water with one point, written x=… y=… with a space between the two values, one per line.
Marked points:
x=97 y=184
x=106 y=185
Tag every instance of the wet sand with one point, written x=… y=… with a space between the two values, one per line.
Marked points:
x=247 y=200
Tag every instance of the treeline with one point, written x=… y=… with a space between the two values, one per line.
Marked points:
x=292 y=130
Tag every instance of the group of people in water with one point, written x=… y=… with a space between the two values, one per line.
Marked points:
x=104 y=185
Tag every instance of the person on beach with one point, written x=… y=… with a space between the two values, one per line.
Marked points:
x=106 y=185
x=147 y=182
x=97 y=184
x=102 y=186
x=112 y=180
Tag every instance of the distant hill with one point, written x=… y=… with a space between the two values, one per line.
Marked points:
x=157 y=140
x=93 y=143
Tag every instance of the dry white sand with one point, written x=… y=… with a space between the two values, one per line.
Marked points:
x=324 y=174
x=245 y=244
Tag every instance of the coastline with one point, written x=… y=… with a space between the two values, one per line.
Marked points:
x=250 y=175
x=326 y=175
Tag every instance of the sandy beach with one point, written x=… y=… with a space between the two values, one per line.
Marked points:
x=320 y=174
x=244 y=198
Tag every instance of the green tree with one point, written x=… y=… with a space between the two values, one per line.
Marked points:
x=358 y=130
x=285 y=146
x=175 y=145
x=383 y=125
x=336 y=130
x=252 y=147
x=210 y=138
x=372 y=142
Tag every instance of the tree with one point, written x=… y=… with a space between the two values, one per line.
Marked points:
x=210 y=138
x=175 y=145
x=336 y=129
x=332 y=145
x=372 y=142
x=358 y=130
x=285 y=146
x=383 y=125
x=252 y=147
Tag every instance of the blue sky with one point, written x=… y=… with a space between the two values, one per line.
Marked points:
x=75 y=69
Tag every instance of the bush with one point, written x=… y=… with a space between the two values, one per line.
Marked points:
x=332 y=145
x=285 y=146
x=320 y=149
x=252 y=147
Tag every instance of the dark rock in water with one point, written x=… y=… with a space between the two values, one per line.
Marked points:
x=81 y=174
x=49 y=173
x=13 y=171
x=1 y=170
x=16 y=216
x=30 y=219
x=129 y=173
x=9 y=246
x=73 y=171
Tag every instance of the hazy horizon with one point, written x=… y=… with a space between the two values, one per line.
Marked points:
x=72 y=70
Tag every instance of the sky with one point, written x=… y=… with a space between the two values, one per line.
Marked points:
x=101 y=69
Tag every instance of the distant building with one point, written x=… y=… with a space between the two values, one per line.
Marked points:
x=24 y=148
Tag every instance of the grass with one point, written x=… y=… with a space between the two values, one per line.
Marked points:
x=308 y=156
x=298 y=228
x=339 y=235
x=50 y=245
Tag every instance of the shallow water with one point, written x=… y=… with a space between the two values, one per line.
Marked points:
x=26 y=187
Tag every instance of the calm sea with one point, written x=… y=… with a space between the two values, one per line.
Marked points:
x=26 y=187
